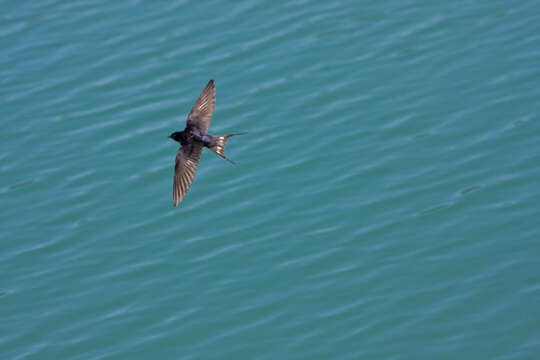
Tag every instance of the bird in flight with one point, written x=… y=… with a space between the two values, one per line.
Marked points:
x=192 y=141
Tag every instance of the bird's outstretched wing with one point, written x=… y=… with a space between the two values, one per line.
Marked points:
x=187 y=159
x=201 y=113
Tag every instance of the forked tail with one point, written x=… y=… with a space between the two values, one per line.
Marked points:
x=219 y=145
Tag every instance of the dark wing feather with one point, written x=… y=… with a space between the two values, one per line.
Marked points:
x=201 y=113
x=185 y=167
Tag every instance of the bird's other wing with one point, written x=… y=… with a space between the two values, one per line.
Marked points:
x=201 y=113
x=187 y=159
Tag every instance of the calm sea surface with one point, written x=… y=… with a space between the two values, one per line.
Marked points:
x=385 y=204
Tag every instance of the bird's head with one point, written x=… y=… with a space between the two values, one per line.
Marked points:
x=176 y=136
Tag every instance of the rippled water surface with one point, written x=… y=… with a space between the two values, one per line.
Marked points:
x=385 y=204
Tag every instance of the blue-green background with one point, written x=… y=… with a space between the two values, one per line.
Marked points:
x=385 y=205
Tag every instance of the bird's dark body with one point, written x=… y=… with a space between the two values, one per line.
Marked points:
x=193 y=134
x=192 y=141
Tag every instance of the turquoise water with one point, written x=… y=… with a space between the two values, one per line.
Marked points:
x=385 y=204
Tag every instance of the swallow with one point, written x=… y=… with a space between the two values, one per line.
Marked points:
x=193 y=139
